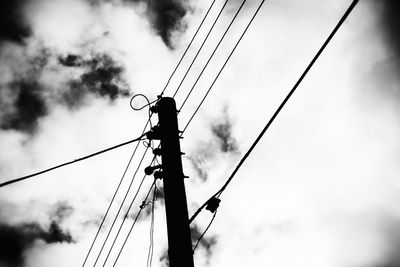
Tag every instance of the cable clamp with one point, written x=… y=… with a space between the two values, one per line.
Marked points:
x=213 y=204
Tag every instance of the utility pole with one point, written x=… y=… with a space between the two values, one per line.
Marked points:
x=179 y=240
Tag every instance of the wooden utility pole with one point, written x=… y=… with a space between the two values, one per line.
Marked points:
x=179 y=240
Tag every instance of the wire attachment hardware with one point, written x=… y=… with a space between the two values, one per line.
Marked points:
x=213 y=204
x=154 y=133
x=157 y=151
x=150 y=169
x=158 y=175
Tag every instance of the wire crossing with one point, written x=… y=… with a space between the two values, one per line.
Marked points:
x=222 y=189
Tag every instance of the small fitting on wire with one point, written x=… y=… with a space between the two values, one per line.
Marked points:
x=158 y=175
x=157 y=151
x=154 y=133
x=213 y=204
x=150 y=169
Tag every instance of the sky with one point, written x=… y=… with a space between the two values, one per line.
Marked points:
x=320 y=189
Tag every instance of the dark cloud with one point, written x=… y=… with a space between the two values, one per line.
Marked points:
x=12 y=24
x=391 y=231
x=25 y=100
x=222 y=130
x=165 y=17
x=70 y=61
x=102 y=76
x=16 y=239
x=27 y=108
x=391 y=25
x=223 y=141
x=199 y=159
x=164 y=260
x=207 y=242
x=61 y=211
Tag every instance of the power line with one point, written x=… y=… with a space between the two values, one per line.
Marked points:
x=124 y=218
x=201 y=47
x=112 y=200
x=205 y=231
x=151 y=246
x=68 y=163
x=212 y=54
x=223 y=66
x=134 y=222
x=187 y=48
x=149 y=121
x=219 y=192
x=122 y=204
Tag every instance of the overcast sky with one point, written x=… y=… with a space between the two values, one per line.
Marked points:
x=321 y=188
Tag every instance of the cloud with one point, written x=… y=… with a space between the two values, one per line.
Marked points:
x=164 y=258
x=27 y=108
x=27 y=97
x=16 y=239
x=222 y=130
x=61 y=211
x=221 y=141
x=207 y=242
x=166 y=17
x=391 y=24
x=102 y=77
x=12 y=23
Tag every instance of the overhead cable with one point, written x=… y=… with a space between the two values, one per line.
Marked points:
x=122 y=204
x=205 y=231
x=112 y=200
x=124 y=218
x=222 y=68
x=149 y=122
x=212 y=54
x=219 y=192
x=201 y=47
x=187 y=48
x=134 y=222
x=70 y=162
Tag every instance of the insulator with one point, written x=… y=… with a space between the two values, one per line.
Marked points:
x=157 y=151
x=150 y=169
x=158 y=175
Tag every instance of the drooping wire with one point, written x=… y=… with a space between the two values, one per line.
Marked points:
x=147 y=105
x=223 y=66
x=220 y=191
x=69 y=162
x=201 y=47
x=212 y=54
x=124 y=219
x=134 y=222
x=205 y=231
x=151 y=246
x=122 y=204
x=145 y=97
x=187 y=48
